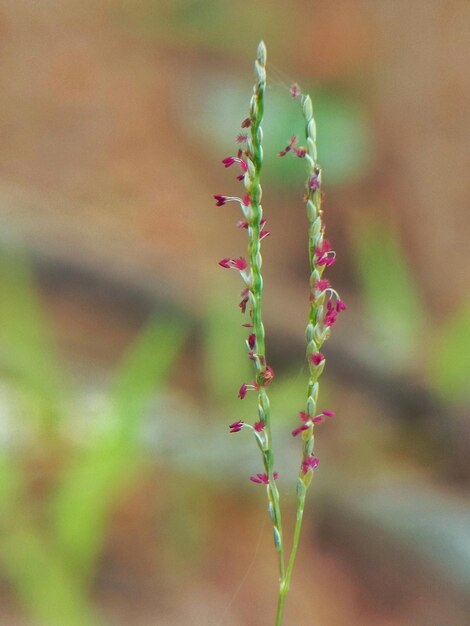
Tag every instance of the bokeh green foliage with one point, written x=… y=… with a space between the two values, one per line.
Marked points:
x=393 y=309
x=344 y=142
x=27 y=354
x=225 y=361
x=396 y=318
x=201 y=23
x=449 y=365
x=51 y=542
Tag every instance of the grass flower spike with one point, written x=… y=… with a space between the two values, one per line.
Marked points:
x=325 y=305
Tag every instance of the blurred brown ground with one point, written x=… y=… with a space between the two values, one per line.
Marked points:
x=99 y=176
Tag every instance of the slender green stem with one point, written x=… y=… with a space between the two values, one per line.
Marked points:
x=285 y=583
x=285 y=580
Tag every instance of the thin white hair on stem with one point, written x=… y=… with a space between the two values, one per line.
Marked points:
x=278 y=77
x=247 y=573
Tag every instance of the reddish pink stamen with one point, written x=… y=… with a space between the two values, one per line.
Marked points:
x=221 y=200
x=322 y=256
x=229 y=161
x=236 y=426
x=263 y=479
x=330 y=319
x=314 y=183
x=331 y=314
x=300 y=429
x=300 y=152
x=235 y=264
x=288 y=148
x=243 y=390
x=243 y=304
x=295 y=91
x=242 y=224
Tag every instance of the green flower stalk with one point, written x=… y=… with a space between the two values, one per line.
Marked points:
x=325 y=305
x=251 y=166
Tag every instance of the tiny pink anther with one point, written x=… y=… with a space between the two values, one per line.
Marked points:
x=314 y=183
x=300 y=429
x=263 y=479
x=243 y=390
x=220 y=200
x=325 y=247
x=228 y=161
x=330 y=319
x=243 y=304
x=295 y=91
x=236 y=426
x=325 y=255
x=300 y=152
x=235 y=264
x=289 y=147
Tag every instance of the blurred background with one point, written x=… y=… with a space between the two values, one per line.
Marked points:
x=123 y=500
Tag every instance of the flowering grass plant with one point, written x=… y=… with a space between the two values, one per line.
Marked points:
x=324 y=306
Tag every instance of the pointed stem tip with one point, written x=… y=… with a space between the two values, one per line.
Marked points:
x=261 y=53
